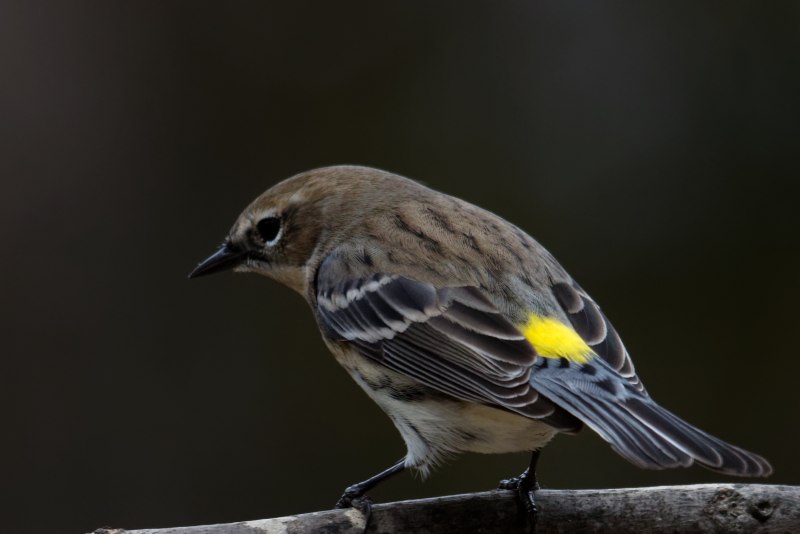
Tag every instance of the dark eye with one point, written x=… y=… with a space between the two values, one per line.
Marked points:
x=269 y=228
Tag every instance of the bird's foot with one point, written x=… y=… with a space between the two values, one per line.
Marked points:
x=524 y=486
x=353 y=497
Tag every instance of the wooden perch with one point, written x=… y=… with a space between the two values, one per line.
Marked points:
x=698 y=508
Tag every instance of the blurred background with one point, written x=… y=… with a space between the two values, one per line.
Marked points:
x=652 y=147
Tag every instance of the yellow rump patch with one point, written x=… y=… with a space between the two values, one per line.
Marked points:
x=553 y=339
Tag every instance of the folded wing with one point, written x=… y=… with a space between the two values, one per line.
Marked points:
x=454 y=340
x=450 y=339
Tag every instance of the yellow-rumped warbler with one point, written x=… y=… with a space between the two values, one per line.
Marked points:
x=464 y=329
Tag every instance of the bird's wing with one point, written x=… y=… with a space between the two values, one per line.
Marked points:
x=595 y=329
x=454 y=340
x=450 y=339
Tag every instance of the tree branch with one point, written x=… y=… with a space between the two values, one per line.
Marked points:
x=698 y=508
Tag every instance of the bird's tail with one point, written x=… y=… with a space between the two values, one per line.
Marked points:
x=639 y=429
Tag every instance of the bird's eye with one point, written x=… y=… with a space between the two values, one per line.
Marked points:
x=269 y=228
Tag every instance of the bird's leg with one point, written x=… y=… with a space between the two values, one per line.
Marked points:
x=356 y=491
x=525 y=484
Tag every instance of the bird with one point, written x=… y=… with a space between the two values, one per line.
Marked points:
x=464 y=330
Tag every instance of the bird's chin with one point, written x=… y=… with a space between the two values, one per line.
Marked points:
x=251 y=265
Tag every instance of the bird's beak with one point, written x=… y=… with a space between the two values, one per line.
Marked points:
x=226 y=257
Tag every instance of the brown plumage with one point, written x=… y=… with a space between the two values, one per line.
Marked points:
x=463 y=328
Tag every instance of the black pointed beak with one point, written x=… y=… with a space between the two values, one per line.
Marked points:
x=226 y=257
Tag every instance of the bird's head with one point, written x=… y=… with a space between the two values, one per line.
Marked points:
x=282 y=232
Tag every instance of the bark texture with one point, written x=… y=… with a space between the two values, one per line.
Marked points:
x=699 y=508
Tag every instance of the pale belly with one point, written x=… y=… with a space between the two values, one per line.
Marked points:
x=435 y=426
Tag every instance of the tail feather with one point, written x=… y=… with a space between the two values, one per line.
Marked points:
x=637 y=442
x=732 y=460
x=671 y=428
x=636 y=427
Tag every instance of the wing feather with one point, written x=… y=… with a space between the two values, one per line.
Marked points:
x=450 y=339
x=455 y=341
x=595 y=329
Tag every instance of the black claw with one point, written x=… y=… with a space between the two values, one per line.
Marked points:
x=526 y=497
x=350 y=494
x=353 y=496
x=512 y=483
x=524 y=486
x=364 y=505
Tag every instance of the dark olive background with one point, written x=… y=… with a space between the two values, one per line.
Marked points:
x=652 y=147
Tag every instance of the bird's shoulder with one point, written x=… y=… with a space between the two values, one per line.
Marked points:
x=436 y=238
